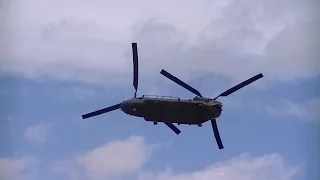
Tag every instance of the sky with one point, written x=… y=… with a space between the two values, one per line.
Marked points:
x=63 y=58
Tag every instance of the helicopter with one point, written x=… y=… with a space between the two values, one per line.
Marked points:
x=170 y=110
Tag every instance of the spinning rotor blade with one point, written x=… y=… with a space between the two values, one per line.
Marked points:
x=181 y=83
x=135 y=67
x=216 y=133
x=173 y=128
x=101 y=111
x=241 y=85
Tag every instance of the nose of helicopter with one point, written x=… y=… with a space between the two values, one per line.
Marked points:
x=131 y=106
x=125 y=105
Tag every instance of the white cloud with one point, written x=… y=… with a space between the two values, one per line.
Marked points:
x=112 y=159
x=78 y=40
x=128 y=156
x=244 y=167
x=37 y=133
x=10 y=168
x=307 y=110
x=15 y=169
x=119 y=158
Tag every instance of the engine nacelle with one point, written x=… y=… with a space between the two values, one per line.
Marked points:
x=208 y=101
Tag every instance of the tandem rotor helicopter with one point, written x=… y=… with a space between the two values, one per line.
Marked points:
x=169 y=110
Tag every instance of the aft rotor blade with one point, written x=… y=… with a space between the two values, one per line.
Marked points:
x=173 y=128
x=181 y=83
x=216 y=133
x=135 y=67
x=241 y=85
x=101 y=111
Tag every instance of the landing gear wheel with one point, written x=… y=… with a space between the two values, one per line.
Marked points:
x=200 y=125
x=155 y=123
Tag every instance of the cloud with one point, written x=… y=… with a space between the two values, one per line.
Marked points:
x=243 y=167
x=307 y=110
x=120 y=158
x=129 y=156
x=90 y=42
x=37 y=133
x=115 y=158
x=10 y=168
x=15 y=169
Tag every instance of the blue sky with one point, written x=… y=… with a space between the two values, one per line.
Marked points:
x=65 y=64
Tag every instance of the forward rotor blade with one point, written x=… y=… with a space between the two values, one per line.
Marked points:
x=216 y=133
x=173 y=128
x=101 y=111
x=135 y=66
x=181 y=83
x=241 y=85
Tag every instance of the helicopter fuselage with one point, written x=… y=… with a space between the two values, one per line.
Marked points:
x=172 y=110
